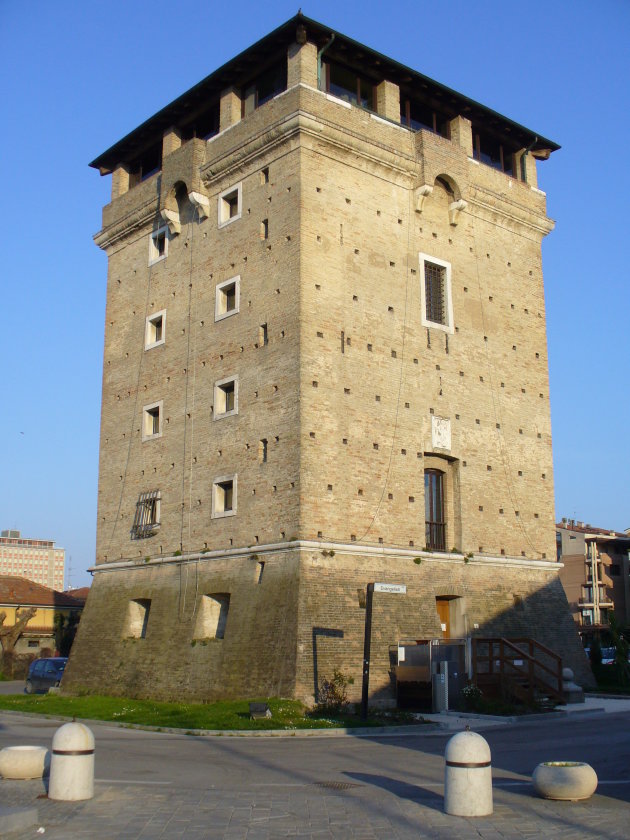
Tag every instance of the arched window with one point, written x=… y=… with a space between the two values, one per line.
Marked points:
x=435 y=525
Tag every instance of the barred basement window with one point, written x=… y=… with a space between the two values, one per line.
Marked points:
x=137 y=618
x=435 y=293
x=212 y=617
x=147 y=519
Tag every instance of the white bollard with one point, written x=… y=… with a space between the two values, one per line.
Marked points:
x=72 y=763
x=467 y=776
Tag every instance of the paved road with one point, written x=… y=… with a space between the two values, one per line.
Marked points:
x=12 y=687
x=158 y=785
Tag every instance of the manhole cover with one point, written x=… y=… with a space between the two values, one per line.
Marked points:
x=337 y=785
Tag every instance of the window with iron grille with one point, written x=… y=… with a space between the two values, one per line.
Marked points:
x=435 y=525
x=147 y=519
x=435 y=293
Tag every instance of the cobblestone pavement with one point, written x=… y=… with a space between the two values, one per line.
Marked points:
x=155 y=785
x=364 y=811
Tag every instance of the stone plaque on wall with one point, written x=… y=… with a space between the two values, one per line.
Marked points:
x=440 y=432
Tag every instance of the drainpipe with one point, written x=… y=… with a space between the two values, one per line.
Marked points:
x=525 y=153
x=319 y=63
x=595 y=584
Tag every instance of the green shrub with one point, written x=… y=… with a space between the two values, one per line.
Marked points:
x=333 y=695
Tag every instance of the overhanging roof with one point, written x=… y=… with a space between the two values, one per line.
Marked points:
x=247 y=64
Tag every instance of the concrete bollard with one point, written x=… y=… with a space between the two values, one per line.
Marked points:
x=467 y=776
x=72 y=763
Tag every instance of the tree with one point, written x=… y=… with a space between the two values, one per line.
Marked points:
x=10 y=635
x=621 y=651
x=65 y=631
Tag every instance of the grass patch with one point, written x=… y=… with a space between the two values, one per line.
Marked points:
x=229 y=714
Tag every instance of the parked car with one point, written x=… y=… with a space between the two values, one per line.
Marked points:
x=44 y=674
x=608 y=655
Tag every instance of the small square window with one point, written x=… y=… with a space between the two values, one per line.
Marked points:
x=155 y=332
x=227 y=298
x=225 y=397
x=158 y=245
x=435 y=293
x=152 y=421
x=230 y=205
x=224 y=496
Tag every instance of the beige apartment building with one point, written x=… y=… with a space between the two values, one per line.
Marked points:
x=595 y=574
x=325 y=365
x=37 y=560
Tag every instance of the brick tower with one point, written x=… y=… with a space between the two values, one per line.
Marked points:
x=325 y=364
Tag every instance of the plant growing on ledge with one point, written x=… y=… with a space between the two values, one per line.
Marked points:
x=417 y=560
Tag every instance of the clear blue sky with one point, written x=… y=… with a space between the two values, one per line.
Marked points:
x=77 y=76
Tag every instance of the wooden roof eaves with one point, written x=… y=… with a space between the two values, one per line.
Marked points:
x=231 y=73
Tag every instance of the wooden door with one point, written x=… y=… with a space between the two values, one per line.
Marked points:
x=443 y=606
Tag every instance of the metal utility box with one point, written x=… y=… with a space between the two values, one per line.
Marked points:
x=430 y=674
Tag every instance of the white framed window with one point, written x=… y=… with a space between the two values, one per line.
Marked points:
x=152 y=421
x=227 y=298
x=212 y=616
x=155 y=331
x=230 y=205
x=224 y=496
x=435 y=293
x=225 y=397
x=158 y=245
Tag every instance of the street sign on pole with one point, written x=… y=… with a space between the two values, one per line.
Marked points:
x=393 y=589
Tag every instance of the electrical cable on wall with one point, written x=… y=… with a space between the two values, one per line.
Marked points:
x=402 y=362
x=135 y=409
x=505 y=458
